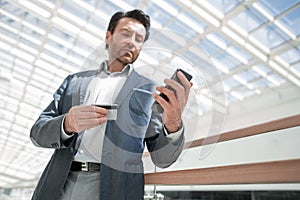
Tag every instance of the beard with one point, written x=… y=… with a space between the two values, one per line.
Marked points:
x=123 y=58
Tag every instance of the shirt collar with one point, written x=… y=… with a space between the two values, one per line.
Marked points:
x=124 y=73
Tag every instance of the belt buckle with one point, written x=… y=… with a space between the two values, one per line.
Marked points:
x=84 y=167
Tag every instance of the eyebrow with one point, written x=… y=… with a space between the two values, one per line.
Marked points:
x=130 y=30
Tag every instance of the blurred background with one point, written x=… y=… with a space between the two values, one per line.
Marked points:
x=244 y=56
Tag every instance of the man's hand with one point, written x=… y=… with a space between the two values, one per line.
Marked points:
x=80 y=118
x=174 y=107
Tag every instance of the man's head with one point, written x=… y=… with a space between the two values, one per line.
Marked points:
x=127 y=31
x=135 y=14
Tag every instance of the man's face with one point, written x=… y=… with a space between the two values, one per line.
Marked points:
x=127 y=40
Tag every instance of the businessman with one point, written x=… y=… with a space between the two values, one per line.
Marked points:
x=97 y=156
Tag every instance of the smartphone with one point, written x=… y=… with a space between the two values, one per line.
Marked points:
x=156 y=106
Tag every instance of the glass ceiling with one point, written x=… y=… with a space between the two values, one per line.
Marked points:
x=252 y=45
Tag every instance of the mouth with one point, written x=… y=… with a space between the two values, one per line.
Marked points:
x=126 y=52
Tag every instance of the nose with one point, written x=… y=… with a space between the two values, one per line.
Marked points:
x=130 y=43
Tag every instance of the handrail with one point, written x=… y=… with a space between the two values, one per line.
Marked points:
x=274 y=125
x=283 y=171
x=286 y=171
x=262 y=128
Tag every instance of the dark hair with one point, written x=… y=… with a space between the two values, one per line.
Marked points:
x=135 y=14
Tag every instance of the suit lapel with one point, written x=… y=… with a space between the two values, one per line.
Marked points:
x=83 y=85
x=132 y=81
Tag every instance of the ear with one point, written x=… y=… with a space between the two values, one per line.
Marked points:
x=107 y=37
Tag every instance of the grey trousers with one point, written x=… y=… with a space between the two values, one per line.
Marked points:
x=82 y=186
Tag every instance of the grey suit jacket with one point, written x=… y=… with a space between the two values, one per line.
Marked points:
x=125 y=138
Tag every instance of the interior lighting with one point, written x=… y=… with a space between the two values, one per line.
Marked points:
x=96 y=30
x=4 y=46
x=256 y=52
x=65 y=25
x=237 y=55
x=72 y=17
x=187 y=3
x=22 y=55
x=210 y=19
x=9 y=28
x=259 y=44
x=30 y=38
x=75 y=60
x=167 y=7
x=293 y=79
x=203 y=99
x=32 y=27
x=56 y=51
x=295 y=72
x=276 y=22
x=263 y=11
x=284 y=29
x=182 y=17
x=81 y=51
x=35 y=8
x=239 y=79
x=237 y=95
x=102 y=15
x=28 y=48
x=278 y=68
x=51 y=59
x=282 y=62
x=233 y=35
x=9 y=15
x=7 y=39
x=123 y=5
x=220 y=66
x=259 y=71
x=234 y=26
x=84 y=5
x=92 y=40
x=211 y=9
x=272 y=80
x=46 y=66
x=47 y=3
x=216 y=41
x=60 y=40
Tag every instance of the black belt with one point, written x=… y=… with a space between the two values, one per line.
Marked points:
x=85 y=166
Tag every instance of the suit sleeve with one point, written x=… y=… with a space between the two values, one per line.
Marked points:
x=46 y=131
x=163 y=151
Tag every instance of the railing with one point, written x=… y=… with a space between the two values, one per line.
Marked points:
x=283 y=171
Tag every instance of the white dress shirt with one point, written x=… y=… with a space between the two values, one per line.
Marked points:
x=103 y=89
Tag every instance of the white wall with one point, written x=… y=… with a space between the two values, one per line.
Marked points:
x=277 y=145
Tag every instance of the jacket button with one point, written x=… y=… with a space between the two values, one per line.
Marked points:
x=54 y=145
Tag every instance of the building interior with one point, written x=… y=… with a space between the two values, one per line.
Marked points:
x=244 y=107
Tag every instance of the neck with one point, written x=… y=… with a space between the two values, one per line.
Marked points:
x=115 y=66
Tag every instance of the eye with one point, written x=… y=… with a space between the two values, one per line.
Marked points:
x=125 y=34
x=139 y=39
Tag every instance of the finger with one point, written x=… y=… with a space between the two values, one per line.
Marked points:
x=84 y=112
x=164 y=104
x=92 y=122
x=174 y=84
x=180 y=90
x=92 y=108
x=89 y=115
x=101 y=110
x=82 y=117
x=186 y=84
x=169 y=93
